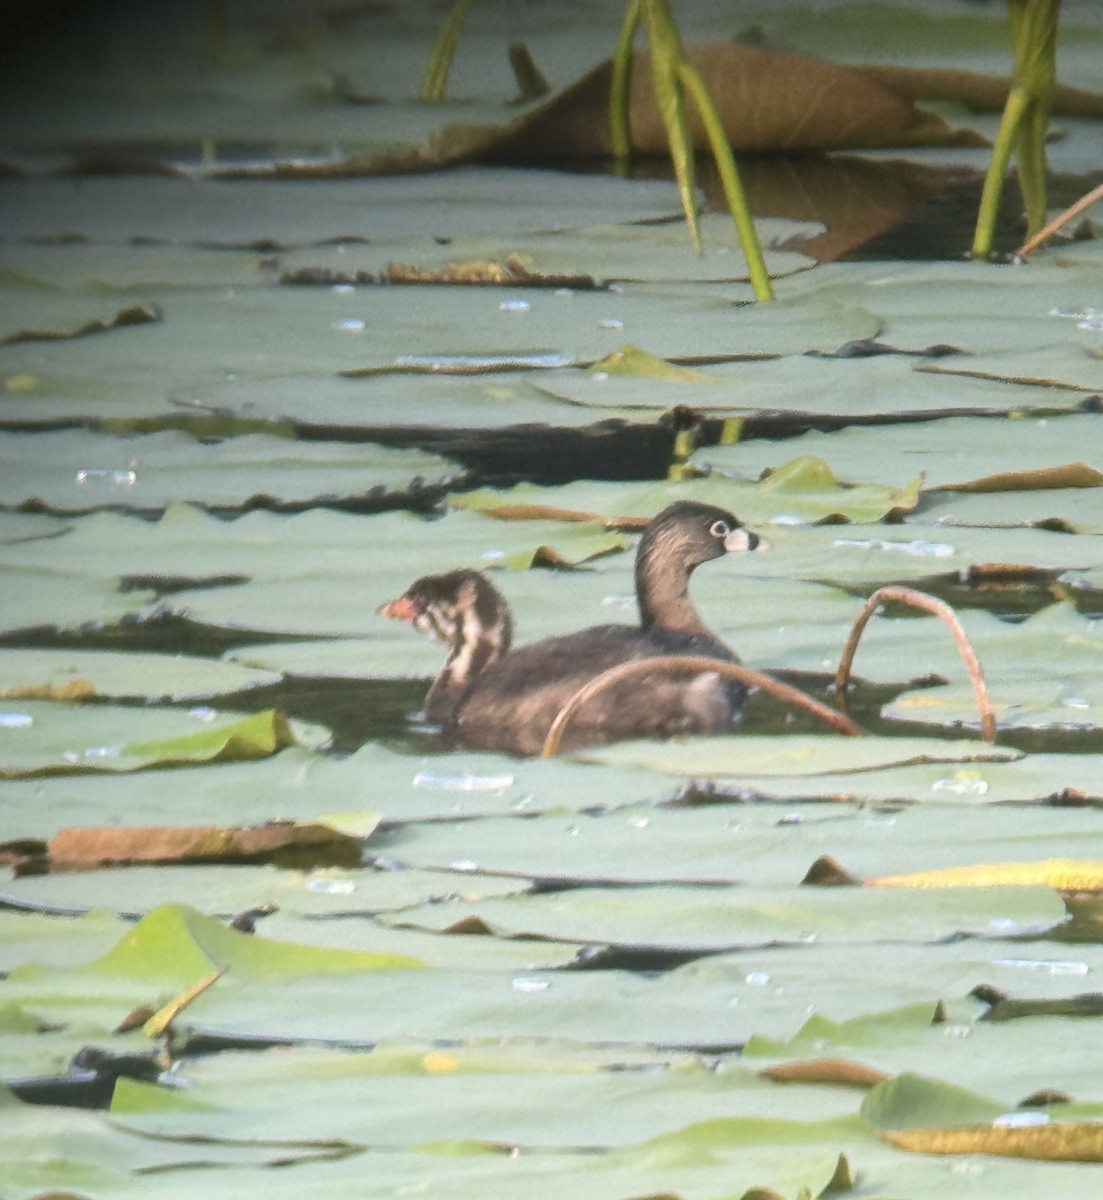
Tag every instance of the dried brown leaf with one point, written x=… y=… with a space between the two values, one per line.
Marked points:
x=1072 y=1142
x=1070 y=475
x=826 y=1070
x=72 y=689
x=767 y=100
x=279 y=841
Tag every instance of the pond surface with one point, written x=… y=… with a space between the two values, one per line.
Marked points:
x=231 y=426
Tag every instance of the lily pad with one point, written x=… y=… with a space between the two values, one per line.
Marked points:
x=175 y=945
x=47 y=739
x=947 y=453
x=750 y=758
x=154 y=677
x=80 y=473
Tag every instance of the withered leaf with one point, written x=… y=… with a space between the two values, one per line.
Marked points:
x=768 y=101
x=282 y=842
x=826 y=1070
x=1072 y=1142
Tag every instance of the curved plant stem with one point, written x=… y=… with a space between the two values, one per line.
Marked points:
x=673 y=77
x=619 y=131
x=667 y=57
x=1059 y=222
x=698 y=665
x=729 y=178
x=1025 y=117
x=444 y=50
x=944 y=612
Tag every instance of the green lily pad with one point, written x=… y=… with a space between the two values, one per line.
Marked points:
x=77 y=472
x=604 y=253
x=914 y=1102
x=751 y=758
x=42 y=738
x=154 y=677
x=947 y=452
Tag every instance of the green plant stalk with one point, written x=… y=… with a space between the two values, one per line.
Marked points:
x=667 y=58
x=214 y=20
x=672 y=77
x=1025 y=119
x=729 y=177
x=1013 y=113
x=620 y=135
x=442 y=54
x=1035 y=62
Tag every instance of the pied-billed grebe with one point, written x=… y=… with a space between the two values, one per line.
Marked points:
x=490 y=697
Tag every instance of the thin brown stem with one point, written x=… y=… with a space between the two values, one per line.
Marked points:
x=1070 y=214
x=697 y=664
x=906 y=595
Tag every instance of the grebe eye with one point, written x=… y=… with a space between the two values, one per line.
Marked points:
x=719 y=529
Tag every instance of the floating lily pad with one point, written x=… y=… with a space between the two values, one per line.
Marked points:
x=843 y=391
x=750 y=758
x=602 y=936
x=208 y=215
x=153 y=677
x=63 y=599
x=610 y=253
x=41 y=738
x=946 y=452
x=175 y=946
x=80 y=473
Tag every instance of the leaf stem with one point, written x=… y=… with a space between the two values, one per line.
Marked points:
x=696 y=664
x=442 y=54
x=946 y=614
x=729 y=177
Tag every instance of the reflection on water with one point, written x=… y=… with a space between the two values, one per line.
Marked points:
x=876 y=210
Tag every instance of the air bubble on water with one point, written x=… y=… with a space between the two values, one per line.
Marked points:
x=331 y=887
x=462 y=782
x=112 y=478
x=960 y=787
x=1022 y=1120
x=917 y=546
